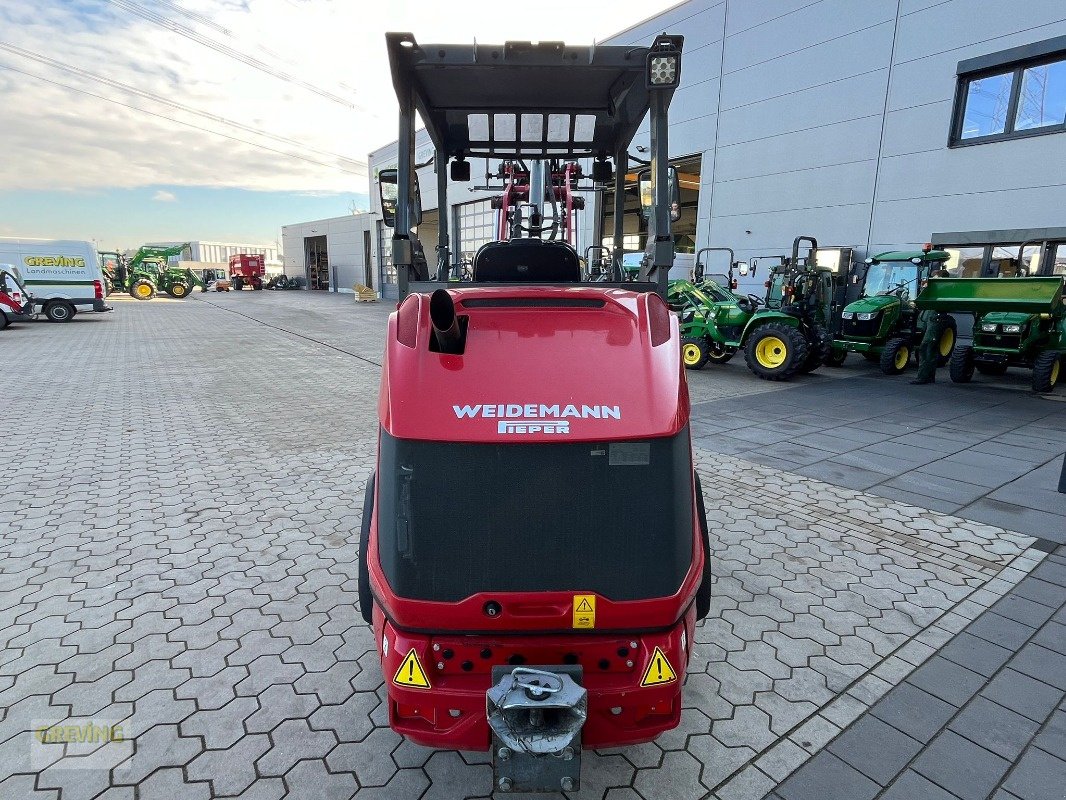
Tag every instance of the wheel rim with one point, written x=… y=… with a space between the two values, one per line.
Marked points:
x=947 y=342
x=903 y=355
x=143 y=290
x=60 y=312
x=1055 y=372
x=691 y=354
x=771 y=352
x=178 y=290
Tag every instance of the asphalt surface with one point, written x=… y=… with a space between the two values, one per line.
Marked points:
x=178 y=539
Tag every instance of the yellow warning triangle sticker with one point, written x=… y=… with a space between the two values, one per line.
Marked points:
x=659 y=670
x=411 y=673
x=585 y=607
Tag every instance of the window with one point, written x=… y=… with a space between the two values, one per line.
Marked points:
x=1058 y=261
x=987 y=100
x=386 y=270
x=1042 y=99
x=965 y=262
x=475 y=225
x=1019 y=92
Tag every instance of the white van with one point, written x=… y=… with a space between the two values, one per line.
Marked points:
x=62 y=276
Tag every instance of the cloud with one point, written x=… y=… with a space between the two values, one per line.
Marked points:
x=163 y=196
x=62 y=137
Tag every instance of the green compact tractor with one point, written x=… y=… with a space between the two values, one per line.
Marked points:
x=149 y=271
x=783 y=334
x=1017 y=322
x=883 y=323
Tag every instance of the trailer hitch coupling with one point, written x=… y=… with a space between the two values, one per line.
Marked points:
x=536 y=715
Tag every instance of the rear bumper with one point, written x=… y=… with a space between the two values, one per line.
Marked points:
x=450 y=712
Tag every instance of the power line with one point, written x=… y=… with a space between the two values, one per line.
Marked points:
x=244 y=58
x=179 y=121
x=83 y=73
x=210 y=23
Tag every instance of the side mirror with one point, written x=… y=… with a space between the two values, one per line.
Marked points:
x=388 y=189
x=646 y=187
x=743 y=269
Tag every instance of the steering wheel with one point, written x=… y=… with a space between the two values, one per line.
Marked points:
x=755 y=300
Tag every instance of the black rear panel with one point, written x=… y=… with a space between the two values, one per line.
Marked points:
x=613 y=518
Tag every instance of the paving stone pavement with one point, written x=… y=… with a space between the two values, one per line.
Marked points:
x=178 y=557
x=985 y=717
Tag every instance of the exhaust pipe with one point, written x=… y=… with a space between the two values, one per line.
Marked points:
x=446 y=330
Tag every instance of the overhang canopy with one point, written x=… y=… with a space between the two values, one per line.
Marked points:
x=523 y=99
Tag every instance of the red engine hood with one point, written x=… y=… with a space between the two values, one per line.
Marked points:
x=539 y=363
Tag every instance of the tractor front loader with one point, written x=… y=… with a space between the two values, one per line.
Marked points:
x=1017 y=322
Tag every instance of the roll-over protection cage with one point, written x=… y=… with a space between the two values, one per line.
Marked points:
x=534 y=102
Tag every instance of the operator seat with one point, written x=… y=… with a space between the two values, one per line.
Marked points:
x=527 y=260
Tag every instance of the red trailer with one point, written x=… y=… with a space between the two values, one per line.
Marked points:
x=247 y=270
x=534 y=553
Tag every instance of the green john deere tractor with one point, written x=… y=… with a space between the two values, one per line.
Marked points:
x=1017 y=322
x=783 y=334
x=149 y=271
x=883 y=323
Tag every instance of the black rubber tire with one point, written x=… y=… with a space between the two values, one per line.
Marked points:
x=3 y=320
x=695 y=352
x=949 y=325
x=991 y=368
x=179 y=290
x=142 y=282
x=1046 y=369
x=59 y=311
x=836 y=357
x=238 y=284
x=820 y=346
x=719 y=353
x=366 y=597
x=961 y=366
x=703 y=593
x=795 y=351
x=257 y=285
x=894 y=349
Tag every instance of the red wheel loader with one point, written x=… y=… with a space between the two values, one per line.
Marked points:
x=534 y=553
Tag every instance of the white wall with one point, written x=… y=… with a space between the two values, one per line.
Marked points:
x=344 y=246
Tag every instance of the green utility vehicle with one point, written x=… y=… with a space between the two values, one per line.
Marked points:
x=1017 y=322
x=883 y=323
x=785 y=333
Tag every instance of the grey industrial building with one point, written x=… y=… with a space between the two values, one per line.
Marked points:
x=871 y=124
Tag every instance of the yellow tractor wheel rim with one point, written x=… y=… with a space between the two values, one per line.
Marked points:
x=771 y=352
x=690 y=353
x=903 y=355
x=178 y=290
x=1055 y=372
x=144 y=291
x=947 y=342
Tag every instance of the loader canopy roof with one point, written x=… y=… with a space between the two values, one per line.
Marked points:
x=910 y=255
x=523 y=99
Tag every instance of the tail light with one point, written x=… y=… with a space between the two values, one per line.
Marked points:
x=98 y=290
x=17 y=297
x=733 y=284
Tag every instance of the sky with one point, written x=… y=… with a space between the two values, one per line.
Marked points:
x=126 y=121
